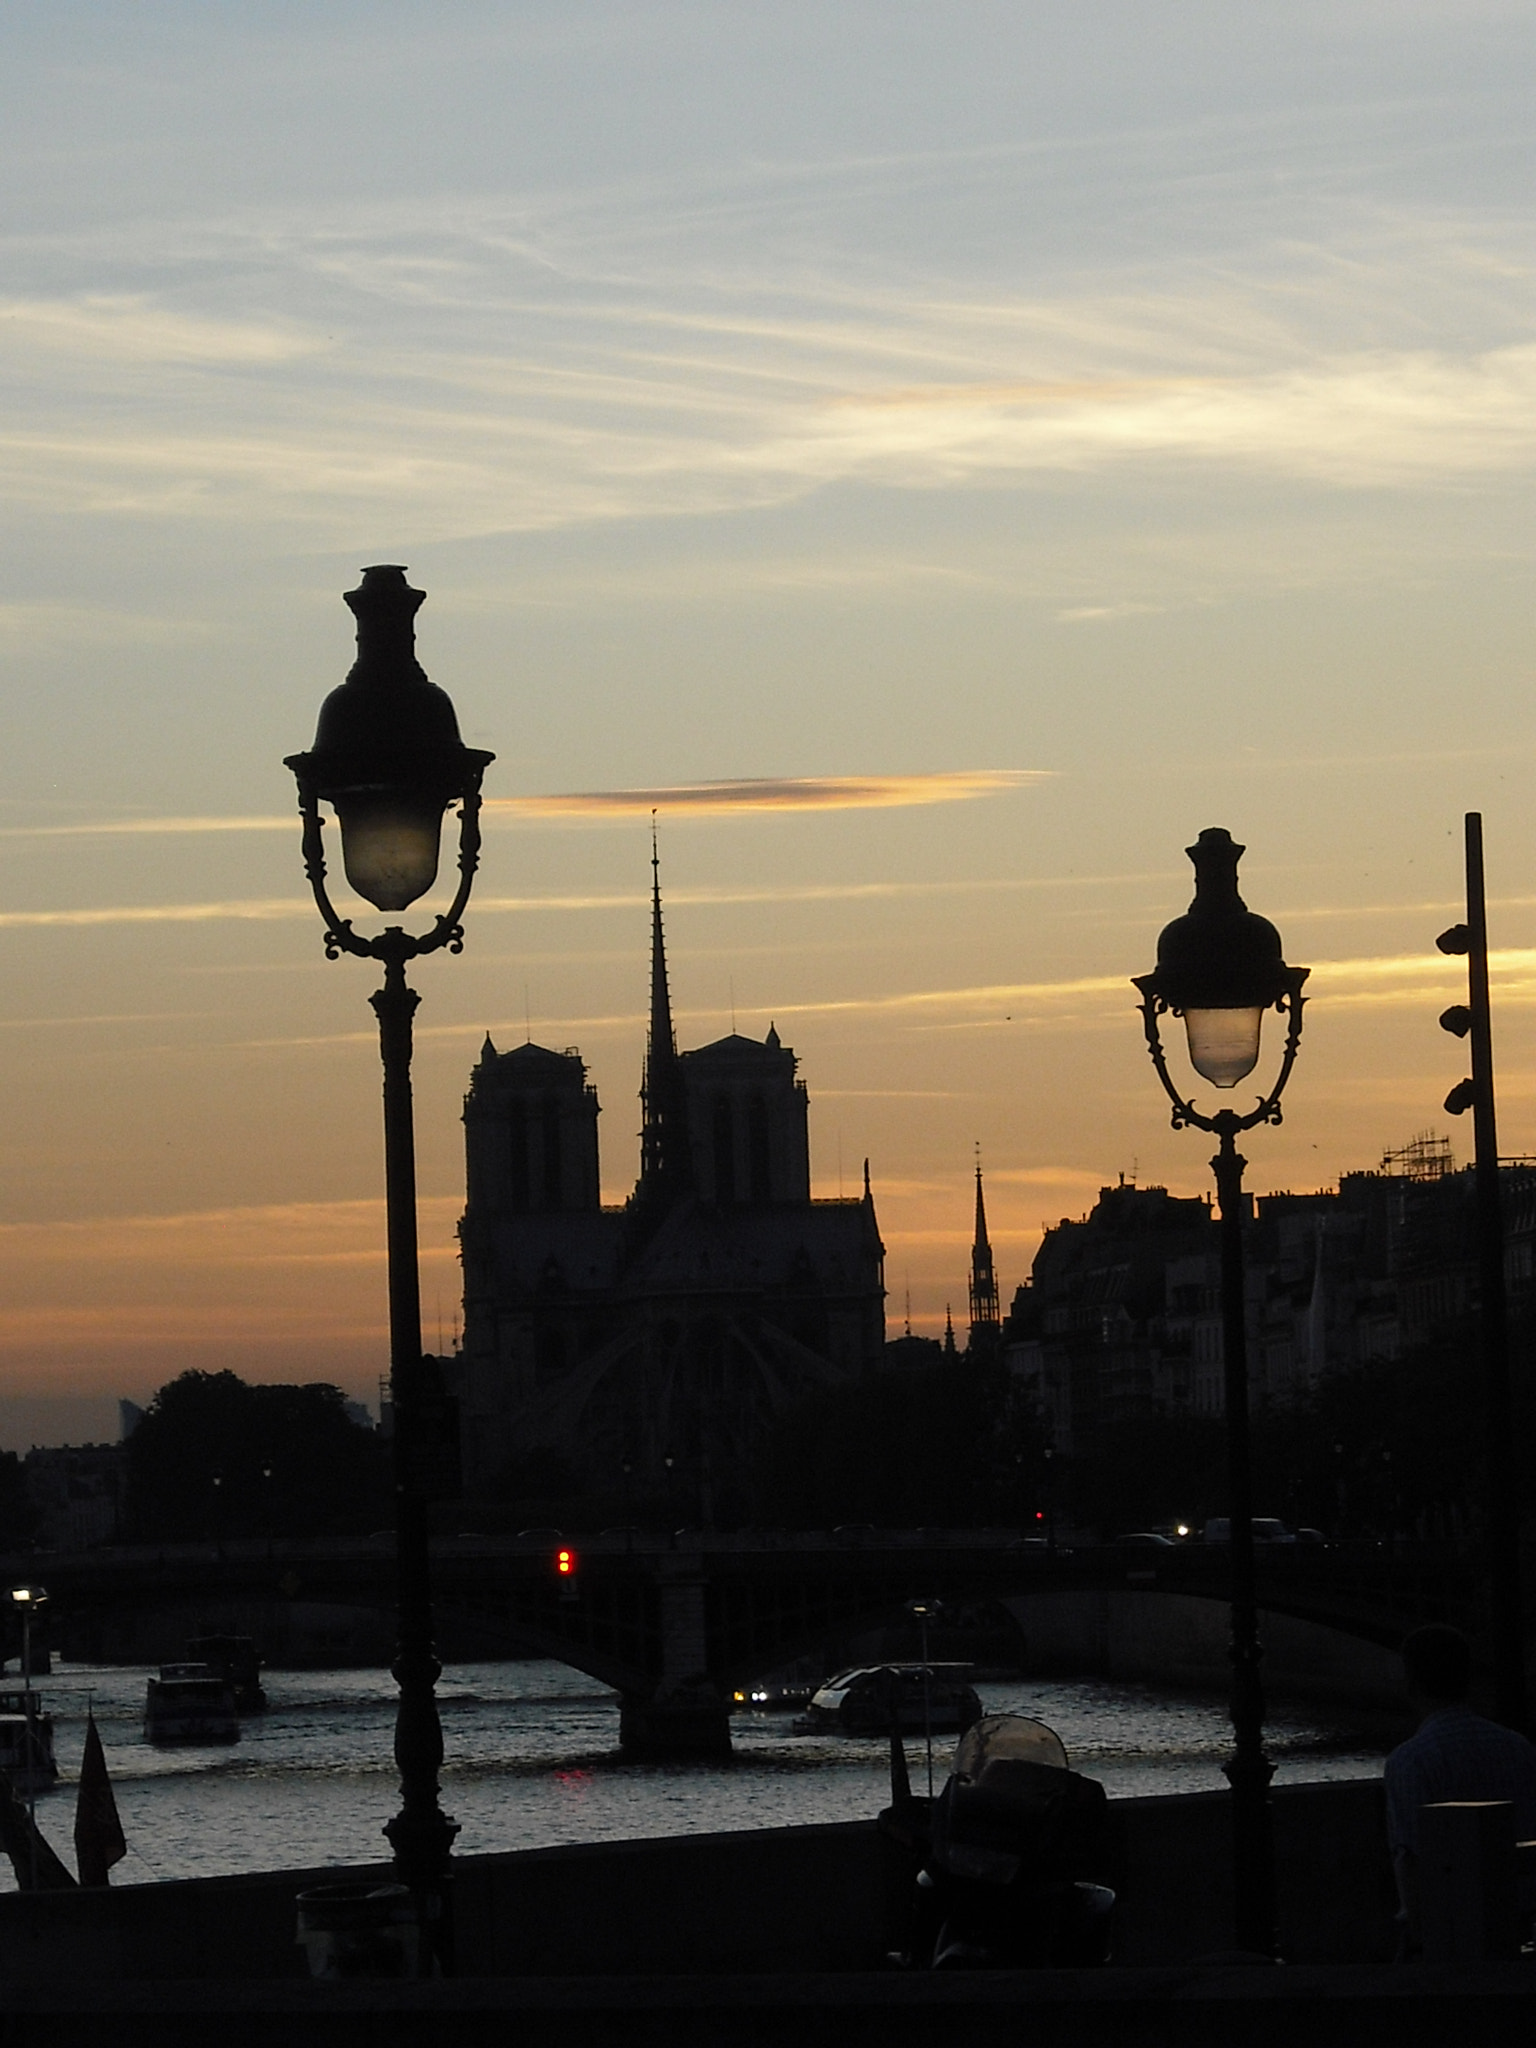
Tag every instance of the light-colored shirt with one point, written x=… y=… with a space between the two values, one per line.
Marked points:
x=1458 y=1755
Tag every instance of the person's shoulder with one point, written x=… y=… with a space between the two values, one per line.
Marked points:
x=1507 y=1738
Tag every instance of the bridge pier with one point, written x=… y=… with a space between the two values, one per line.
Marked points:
x=688 y=1722
x=685 y=1713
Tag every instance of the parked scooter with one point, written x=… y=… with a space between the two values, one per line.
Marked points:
x=1010 y=1856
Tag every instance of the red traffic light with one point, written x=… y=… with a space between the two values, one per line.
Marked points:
x=565 y=1563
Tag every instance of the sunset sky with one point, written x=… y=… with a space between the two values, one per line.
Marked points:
x=979 y=444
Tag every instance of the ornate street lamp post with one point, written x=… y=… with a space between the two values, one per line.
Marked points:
x=388 y=759
x=1220 y=967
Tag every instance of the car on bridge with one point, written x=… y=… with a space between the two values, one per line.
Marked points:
x=1266 y=1529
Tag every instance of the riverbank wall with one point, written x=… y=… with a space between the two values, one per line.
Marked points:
x=1155 y=1638
x=808 y=1899
x=1491 y=2005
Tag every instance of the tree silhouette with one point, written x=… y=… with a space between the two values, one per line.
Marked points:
x=214 y=1457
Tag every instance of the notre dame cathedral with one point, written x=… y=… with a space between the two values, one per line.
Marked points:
x=648 y=1345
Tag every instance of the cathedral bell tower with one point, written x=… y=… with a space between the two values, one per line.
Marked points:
x=986 y=1317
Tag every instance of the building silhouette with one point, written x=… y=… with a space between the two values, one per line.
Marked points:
x=1121 y=1316
x=641 y=1352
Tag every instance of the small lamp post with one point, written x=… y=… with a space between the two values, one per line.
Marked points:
x=388 y=759
x=1220 y=967
x=922 y=1612
x=29 y=1601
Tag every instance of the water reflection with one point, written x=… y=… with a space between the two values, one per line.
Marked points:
x=532 y=1761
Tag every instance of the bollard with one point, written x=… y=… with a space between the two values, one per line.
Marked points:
x=1468 y=1909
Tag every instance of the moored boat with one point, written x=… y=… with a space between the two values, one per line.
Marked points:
x=190 y=1703
x=26 y=1743
x=237 y=1661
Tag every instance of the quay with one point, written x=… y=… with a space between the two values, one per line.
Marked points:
x=769 y=1936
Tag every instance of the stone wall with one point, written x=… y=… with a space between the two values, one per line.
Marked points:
x=782 y=1899
x=1177 y=1639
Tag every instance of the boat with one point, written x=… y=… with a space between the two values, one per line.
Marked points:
x=190 y=1703
x=238 y=1662
x=865 y=1700
x=26 y=1743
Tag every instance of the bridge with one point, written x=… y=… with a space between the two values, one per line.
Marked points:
x=675 y=1624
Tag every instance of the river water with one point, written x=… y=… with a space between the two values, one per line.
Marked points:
x=532 y=1760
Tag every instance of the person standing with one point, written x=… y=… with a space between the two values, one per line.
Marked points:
x=1455 y=1754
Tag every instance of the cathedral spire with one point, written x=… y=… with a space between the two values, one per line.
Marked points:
x=661 y=1045
x=663 y=1148
x=986 y=1319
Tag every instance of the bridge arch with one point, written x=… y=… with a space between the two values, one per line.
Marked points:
x=1147 y=1635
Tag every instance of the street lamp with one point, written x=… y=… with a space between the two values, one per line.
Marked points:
x=1220 y=967
x=29 y=1601
x=388 y=759
x=922 y=1612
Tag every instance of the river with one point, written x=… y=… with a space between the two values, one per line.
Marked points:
x=532 y=1760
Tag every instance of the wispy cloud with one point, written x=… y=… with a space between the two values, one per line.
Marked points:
x=265 y=908
x=781 y=793
x=691 y=382
x=298 y=1232
x=712 y=799
x=132 y=327
x=260 y=909
x=112 y=828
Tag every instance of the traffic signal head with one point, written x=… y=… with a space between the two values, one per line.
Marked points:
x=1461 y=1098
x=565 y=1563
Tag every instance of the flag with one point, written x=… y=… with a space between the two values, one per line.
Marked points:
x=98 y=1831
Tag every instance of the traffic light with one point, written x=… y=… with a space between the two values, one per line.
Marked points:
x=1458 y=1020
x=566 y=1562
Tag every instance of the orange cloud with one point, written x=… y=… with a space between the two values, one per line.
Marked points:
x=777 y=793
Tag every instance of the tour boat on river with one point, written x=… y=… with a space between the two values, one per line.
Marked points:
x=865 y=1700
x=190 y=1703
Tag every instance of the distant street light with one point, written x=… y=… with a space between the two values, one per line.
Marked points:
x=28 y=1602
x=388 y=758
x=1220 y=967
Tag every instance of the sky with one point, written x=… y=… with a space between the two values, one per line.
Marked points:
x=943 y=455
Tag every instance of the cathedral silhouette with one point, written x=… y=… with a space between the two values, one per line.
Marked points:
x=648 y=1346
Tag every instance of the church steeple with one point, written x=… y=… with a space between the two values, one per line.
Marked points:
x=663 y=1145
x=986 y=1318
x=661 y=1044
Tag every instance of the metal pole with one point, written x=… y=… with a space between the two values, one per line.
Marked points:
x=26 y=1694
x=927 y=1703
x=420 y=1834
x=1249 y=1770
x=1493 y=1321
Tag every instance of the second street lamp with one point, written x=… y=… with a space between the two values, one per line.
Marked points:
x=1220 y=967
x=388 y=758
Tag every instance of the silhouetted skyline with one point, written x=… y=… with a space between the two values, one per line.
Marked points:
x=941 y=459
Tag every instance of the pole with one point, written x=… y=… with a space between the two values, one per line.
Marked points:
x=26 y=1694
x=1493 y=1320
x=927 y=1701
x=420 y=1834
x=1249 y=1770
